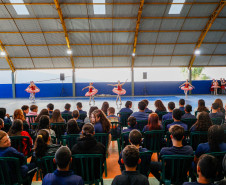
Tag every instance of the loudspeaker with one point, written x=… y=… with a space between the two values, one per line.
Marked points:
x=62 y=77
x=145 y=75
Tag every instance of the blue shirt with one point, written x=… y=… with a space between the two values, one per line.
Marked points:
x=82 y=112
x=113 y=118
x=146 y=128
x=167 y=116
x=140 y=116
x=126 y=110
x=184 y=150
x=128 y=129
x=195 y=183
x=62 y=178
x=178 y=123
x=181 y=108
x=188 y=115
x=98 y=128
x=147 y=110
x=66 y=112
x=204 y=148
x=217 y=115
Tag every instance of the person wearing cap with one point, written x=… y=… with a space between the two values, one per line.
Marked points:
x=62 y=175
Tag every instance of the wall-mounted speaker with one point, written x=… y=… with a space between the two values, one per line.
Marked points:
x=62 y=78
x=145 y=75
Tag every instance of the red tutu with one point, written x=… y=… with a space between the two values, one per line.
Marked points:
x=29 y=90
x=119 y=92
x=222 y=87
x=216 y=87
x=186 y=88
x=94 y=91
x=211 y=88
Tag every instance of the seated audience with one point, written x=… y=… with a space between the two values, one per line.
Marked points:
x=202 y=106
x=43 y=112
x=177 y=120
x=177 y=136
x=111 y=115
x=17 y=130
x=171 y=106
x=88 y=119
x=25 y=109
x=79 y=108
x=147 y=110
x=1 y=124
x=72 y=127
x=128 y=106
x=67 y=108
x=43 y=146
x=140 y=115
x=188 y=115
x=216 y=113
x=50 y=108
x=206 y=170
x=56 y=117
x=33 y=112
x=131 y=124
x=215 y=142
x=159 y=106
x=5 y=116
x=63 y=175
x=203 y=122
x=130 y=157
x=221 y=106
x=181 y=104
x=135 y=138
x=18 y=114
x=7 y=151
x=75 y=116
x=45 y=125
x=105 y=107
x=223 y=182
x=153 y=123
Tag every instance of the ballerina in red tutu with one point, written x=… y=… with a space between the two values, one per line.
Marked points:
x=32 y=89
x=92 y=91
x=186 y=87
x=215 y=87
x=119 y=91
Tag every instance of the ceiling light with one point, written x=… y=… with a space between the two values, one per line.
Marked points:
x=99 y=9
x=133 y=54
x=69 y=52
x=197 y=52
x=176 y=8
x=3 y=53
x=20 y=9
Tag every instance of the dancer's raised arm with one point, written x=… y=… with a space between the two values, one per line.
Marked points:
x=85 y=88
x=112 y=84
x=124 y=82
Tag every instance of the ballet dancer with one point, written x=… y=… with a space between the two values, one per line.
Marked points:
x=215 y=87
x=92 y=91
x=186 y=87
x=32 y=89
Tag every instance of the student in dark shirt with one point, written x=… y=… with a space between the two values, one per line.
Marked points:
x=221 y=106
x=75 y=115
x=72 y=127
x=62 y=176
x=188 y=115
x=67 y=108
x=153 y=123
x=147 y=110
x=216 y=113
x=159 y=106
x=181 y=104
x=105 y=107
x=25 y=109
x=43 y=112
x=50 y=108
x=177 y=117
x=223 y=182
x=206 y=170
x=127 y=108
x=171 y=106
x=203 y=122
x=177 y=135
x=79 y=108
x=111 y=115
x=130 y=157
x=135 y=138
x=5 y=116
x=131 y=124
x=202 y=106
x=140 y=115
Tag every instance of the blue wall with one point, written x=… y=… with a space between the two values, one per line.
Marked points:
x=141 y=88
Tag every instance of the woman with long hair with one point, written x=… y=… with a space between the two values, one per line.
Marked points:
x=202 y=106
x=17 y=130
x=153 y=123
x=203 y=122
x=45 y=125
x=18 y=114
x=221 y=106
x=43 y=112
x=159 y=106
x=105 y=107
x=72 y=127
x=56 y=117
x=87 y=119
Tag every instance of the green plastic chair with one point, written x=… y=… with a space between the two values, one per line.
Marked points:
x=70 y=140
x=53 y=139
x=189 y=122
x=46 y=165
x=124 y=118
x=154 y=140
x=59 y=129
x=217 y=121
x=175 y=169
x=17 y=143
x=141 y=124
x=123 y=141
x=103 y=138
x=11 y=176
x=197 y=137
x=31 y=118
x=162 y=113
x=115 y=130
x=82 y=116
x=89 y=167
x=166 y=122
x=66 y=117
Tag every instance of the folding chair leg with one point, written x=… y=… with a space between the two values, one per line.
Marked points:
x=105 y=168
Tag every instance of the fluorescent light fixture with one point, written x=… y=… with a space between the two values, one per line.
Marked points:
x=133 y=54
x=176 y=8
x=20 y=9
x=197 y=52
x=3 y=53
x=99 y=9
x=69 y=52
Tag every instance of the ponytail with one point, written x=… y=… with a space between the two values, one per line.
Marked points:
x=41 y=143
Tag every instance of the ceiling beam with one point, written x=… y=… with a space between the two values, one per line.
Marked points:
x=210 y=22
x=65 y=31
x=137 y=31
x=7 y=57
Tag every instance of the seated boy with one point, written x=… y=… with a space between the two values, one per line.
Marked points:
x=181 y=104
x=131 y=124
x=127 y=108
x=215 y=112
x=67 y=108
x=141 y=114
x=130 y=157
x=25 y=109
x=147 y=110
x=188 y=115
x=33 y=112
x=79 y=108
x=111 y=115
x=177 y=117
x=171 y=106
x=62 y=176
